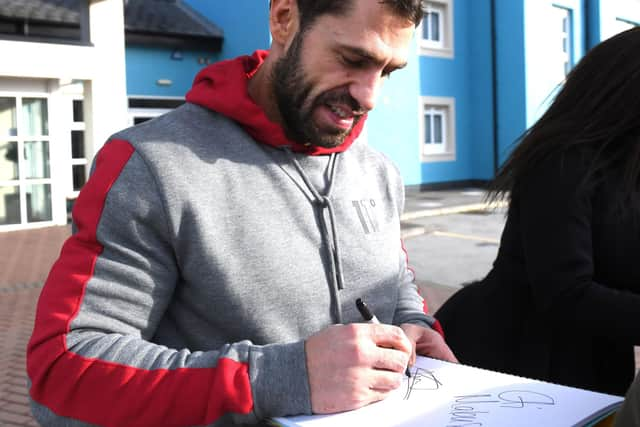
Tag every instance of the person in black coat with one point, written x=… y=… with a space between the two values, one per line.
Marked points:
x=562 y=301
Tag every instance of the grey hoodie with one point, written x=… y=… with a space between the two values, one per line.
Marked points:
x=200 y=262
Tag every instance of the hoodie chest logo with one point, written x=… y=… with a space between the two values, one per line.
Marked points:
x=366 y=210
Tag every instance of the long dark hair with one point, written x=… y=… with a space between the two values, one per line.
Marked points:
x=598 y=111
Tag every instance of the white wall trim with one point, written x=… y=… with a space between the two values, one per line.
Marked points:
x=445 y=49
x=448 y=104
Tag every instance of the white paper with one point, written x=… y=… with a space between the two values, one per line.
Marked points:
x=443 y=394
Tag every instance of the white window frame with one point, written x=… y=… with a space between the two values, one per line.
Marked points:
x=446 y=107
x=21 y=139
x=145 y=113
x=81 y=127
x=444 y=46
x=566 y=37
x=149 y=112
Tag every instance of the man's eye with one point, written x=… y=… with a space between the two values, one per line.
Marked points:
x=355 y=63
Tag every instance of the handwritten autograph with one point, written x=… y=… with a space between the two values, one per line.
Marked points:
x=422 y=379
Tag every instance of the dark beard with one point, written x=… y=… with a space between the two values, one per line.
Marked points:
x=291 y=89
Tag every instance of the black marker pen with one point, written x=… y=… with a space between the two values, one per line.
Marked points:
x=369 y=317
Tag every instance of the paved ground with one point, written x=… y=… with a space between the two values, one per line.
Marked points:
x=450 y=239
x=26 y=257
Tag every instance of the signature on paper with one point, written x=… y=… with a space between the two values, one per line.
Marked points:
x=421 y=379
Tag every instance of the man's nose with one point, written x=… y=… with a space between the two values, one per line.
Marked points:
x=365 y=87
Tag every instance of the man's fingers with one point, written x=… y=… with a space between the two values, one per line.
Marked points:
x=390 y=359
x=391 y=337
x=385 y=381
x=442 y=352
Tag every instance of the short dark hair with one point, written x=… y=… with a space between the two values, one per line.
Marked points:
x=310 y=10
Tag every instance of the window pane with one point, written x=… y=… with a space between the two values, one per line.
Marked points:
x=427 y=128
x=38 y=202
x=437 y=129
x=35 y=116
x=79 y=177
x=138 y=120
x=78 y=113
x=8 y=126
x=36 y=155
x=435 y=26
x=77 y=144
x=8 y=160
x=9 y=205
x=426 y=22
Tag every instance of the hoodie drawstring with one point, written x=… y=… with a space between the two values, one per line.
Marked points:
x=324 y=202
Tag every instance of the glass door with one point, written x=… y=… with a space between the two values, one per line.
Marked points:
x=25 y=171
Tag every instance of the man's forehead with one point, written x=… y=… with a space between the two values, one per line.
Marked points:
x=377 y=37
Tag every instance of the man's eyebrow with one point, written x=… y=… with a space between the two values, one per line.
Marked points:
x=368 y=56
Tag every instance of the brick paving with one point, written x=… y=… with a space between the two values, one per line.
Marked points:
x=25 y=260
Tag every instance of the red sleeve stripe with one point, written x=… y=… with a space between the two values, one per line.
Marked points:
x=107 y=393
x=437 y=326
x=425 y=308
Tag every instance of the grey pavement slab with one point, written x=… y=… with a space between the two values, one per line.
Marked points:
x=451 y=250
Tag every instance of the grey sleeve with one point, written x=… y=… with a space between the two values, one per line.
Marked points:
x=411 y=306
x=91 y=359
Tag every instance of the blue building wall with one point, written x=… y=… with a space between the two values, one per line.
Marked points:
x=467 y=77
x=392 y=124
x=510 y=74
x=245 y=23
x=592 y=16
x=480 y=76
x=483 y=140
x=146 y=65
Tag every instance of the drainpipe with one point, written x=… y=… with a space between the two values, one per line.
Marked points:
x=494 y=75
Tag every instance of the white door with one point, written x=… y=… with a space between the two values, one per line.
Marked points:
x=25 y=161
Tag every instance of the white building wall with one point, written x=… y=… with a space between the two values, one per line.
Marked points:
x=49 y=68
x=617 y=15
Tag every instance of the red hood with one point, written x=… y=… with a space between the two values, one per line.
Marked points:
x=222 y=87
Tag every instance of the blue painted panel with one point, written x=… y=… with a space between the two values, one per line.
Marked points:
x=146 y=65
x=593 y=20
x=481 y=140
x=510 y=74
x=245 y=23
x=467 y=77
x=449 y=77
x=392 y=125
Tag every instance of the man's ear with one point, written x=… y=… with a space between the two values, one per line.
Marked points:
x=283 y=21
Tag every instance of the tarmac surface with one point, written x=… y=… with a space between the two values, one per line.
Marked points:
x=451 y=237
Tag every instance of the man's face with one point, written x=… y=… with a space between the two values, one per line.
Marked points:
x=329 y=76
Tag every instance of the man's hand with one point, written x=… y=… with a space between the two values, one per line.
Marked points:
x=350 y=366
x=427 y=342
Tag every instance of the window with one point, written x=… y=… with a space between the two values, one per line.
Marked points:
x=436 y=29
x=25 y=163
x=143 y=109
x=432 y=25
x=562 y=30
x=437 y=129
x=77 y=147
